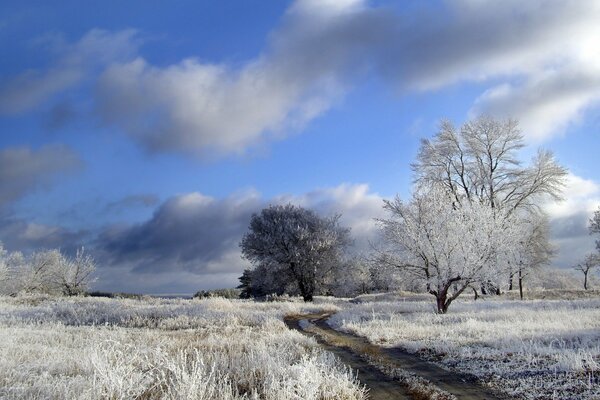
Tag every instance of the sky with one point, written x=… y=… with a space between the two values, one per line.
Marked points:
x=149 y=134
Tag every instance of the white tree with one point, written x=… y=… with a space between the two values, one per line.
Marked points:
x=448 y=246
x=35 y=274
x=590 y=262
x=352 y=278
x=4 y=271
x=296 y=242
x=595 y=226
x=72 y=276
x=50 y=272
x=478 y=163
x=532 y=248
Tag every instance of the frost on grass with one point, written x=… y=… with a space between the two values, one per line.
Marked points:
x=169 y=349
x=534 y=350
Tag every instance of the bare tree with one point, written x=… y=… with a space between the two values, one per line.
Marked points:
x=4 y=271
x=595 y=226
x=448 y=247
x=532 y=249
x=296 y=242
x=35 y=274
x=590 y=262
x=72 y=276
x=478 y=163
x=50 y=272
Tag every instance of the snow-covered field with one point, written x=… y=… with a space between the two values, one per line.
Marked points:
x=92 y=348
x=98 y=348
x=536 y=349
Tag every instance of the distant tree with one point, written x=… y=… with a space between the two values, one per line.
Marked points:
x=72 y=276
x=296 y=243
x=352 y=278
x=50 y=272
x=595 y=226
x=590 y=262
x=35 y=274
x=532 y=250
x=4 y=269
x=246 y=284
x=448 y=247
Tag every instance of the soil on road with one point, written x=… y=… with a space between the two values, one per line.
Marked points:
x=354 y=351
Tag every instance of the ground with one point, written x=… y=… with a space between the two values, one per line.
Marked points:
x=98 y=348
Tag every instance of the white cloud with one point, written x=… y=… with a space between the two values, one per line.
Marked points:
x=540 y=56
x=569 y=220
x=581 y=195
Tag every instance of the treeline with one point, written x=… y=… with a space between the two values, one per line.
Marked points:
x=474 y=223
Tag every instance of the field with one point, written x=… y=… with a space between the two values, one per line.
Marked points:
x=535 y=349
x=98 y=348
x=89 y=348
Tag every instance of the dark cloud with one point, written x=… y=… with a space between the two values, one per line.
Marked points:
x=23 y=169
x=190 y=232
x=195 y=238
x=25 y=236
x=132 y=201
x=572 y=226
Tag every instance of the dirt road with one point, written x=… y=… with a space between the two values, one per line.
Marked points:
x=409 y=369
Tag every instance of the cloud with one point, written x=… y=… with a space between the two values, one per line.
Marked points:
x=547 y=103
x=26 y=236
x=132 y=201
x=23 y=169
x=539 y=55
x=320 y=49
x=569 y=220
x=197 y=236
x=74 y=62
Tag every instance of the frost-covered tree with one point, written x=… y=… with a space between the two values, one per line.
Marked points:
x=295 y=245
x=595 y=226
x=589 y=263
x=35 y=273
x=4 y=271
x=479 y=163
x=50 y=272
x=532 y=248
x=448 y=247
x=352 y=278
x=72 y=276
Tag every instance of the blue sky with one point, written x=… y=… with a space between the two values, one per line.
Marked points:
x=151 y=133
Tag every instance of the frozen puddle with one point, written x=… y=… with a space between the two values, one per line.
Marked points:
x=406 y=375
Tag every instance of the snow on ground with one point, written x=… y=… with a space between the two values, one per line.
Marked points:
x=536 y=349
x=96 y=348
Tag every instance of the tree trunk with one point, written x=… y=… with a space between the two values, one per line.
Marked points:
x=510 y=281
x=475 y=294
x=585 y=280
x=520 y=284
x=307 y=296
x=442 y=304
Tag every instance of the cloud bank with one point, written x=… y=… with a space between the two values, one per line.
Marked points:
x=192 y=240
x=539 y=59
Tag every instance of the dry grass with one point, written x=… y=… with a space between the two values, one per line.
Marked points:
x=162 y=349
